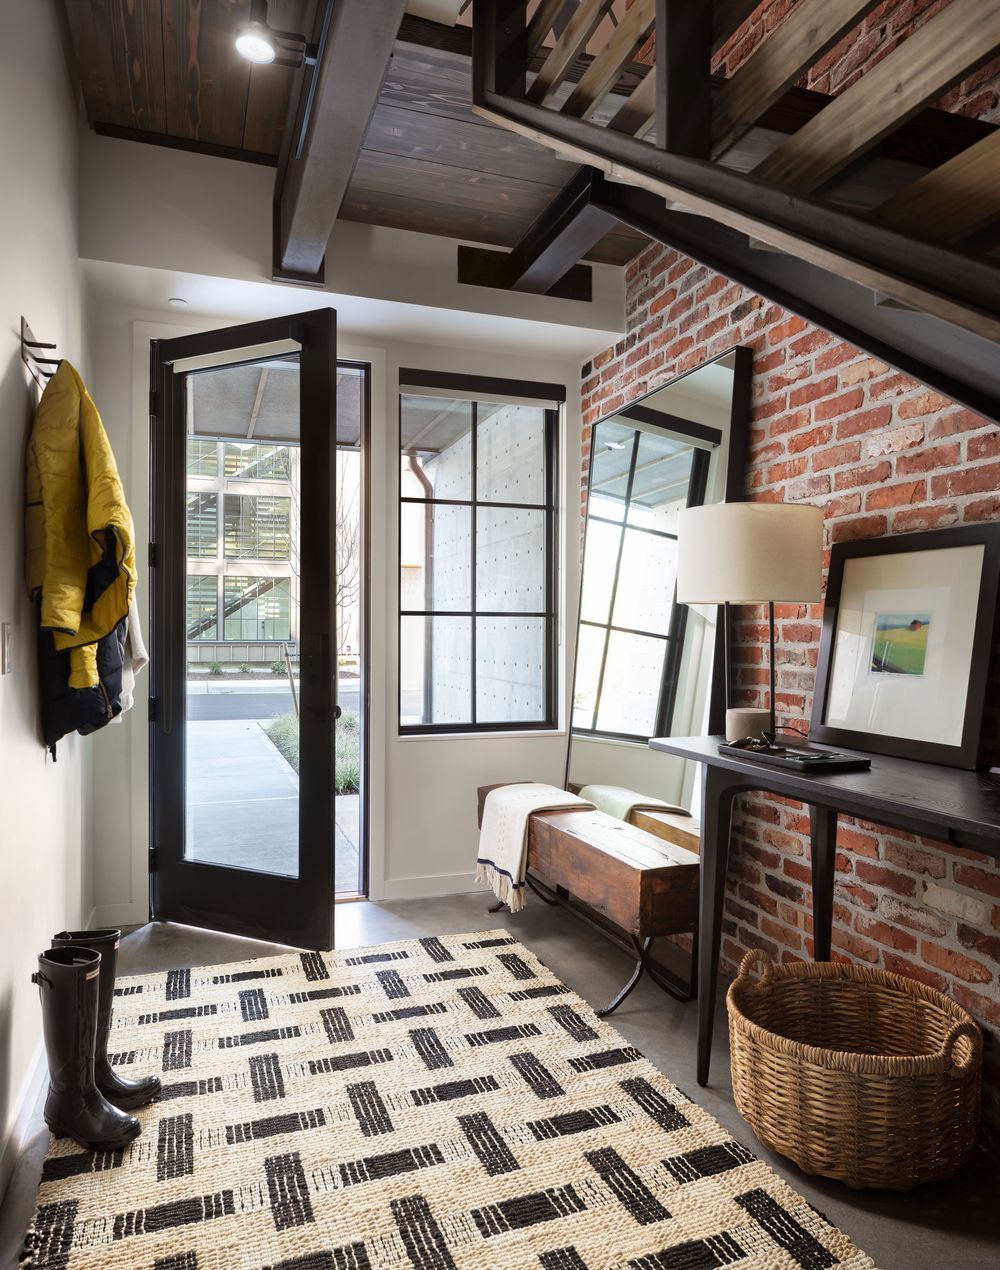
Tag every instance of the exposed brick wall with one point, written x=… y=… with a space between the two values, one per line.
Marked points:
x=881 y=454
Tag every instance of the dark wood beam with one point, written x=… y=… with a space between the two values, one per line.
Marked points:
x=182 y=143
x=567 y=48
x=604 y=71
x=331 y=116
x=683 y=77
x=727 y=17
x=953 y=202
x=564 y=233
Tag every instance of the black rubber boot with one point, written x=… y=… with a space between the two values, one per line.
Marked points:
x=124 y=1093
x=67 y=981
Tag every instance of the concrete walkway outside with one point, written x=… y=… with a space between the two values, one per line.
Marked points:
x=242 y=803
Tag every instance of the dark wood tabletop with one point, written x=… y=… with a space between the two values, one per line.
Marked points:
x=946 y=803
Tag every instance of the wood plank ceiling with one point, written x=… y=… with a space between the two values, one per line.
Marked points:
x=166 y=72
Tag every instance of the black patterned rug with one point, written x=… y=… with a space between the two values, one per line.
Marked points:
x=442 y=1102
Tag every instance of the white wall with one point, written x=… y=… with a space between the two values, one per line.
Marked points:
x=43 y=877
x=423 y=824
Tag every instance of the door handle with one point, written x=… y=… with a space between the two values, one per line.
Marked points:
x=337 y=712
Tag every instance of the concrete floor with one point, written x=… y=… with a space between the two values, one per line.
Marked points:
x=951 y=1226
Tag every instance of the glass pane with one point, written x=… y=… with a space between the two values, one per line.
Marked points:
x=435 y=561
x=258 y=527
x=202 y=606
x=202 y=458
x=589 y=651
x=599 y=564
x=510 y=560
x=510 y=453
x=256 y=462
x=436 y=447
x=202 y=526
x=646 y=576
x=435 y=670
x=611 y=443
x=242 y=735
x=661 y=482
x=510 y=670
x=256 y=608
x=630 y=692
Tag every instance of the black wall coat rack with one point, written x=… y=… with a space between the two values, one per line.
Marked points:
x=41 y=369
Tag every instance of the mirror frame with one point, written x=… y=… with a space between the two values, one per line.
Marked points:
x=734 y=491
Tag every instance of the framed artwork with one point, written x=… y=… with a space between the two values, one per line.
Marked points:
x=905 y=649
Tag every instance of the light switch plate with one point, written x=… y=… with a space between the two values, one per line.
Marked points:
x=6 y=648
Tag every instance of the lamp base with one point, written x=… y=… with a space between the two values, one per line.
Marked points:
x=741 y=723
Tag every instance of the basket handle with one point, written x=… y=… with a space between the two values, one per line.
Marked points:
x=968 y=1029
x=757 y=957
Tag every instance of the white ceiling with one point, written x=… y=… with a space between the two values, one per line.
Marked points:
x=141 y=289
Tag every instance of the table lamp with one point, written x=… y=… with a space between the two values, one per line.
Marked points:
x=749 y=553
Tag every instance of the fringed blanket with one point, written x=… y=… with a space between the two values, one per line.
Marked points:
x=620 y=803
x=503 y=838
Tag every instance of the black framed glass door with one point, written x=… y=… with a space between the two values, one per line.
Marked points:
x=243 y=629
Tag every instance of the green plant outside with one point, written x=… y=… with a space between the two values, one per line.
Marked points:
x=215 y=667
x=283 y=733
x=278 y=668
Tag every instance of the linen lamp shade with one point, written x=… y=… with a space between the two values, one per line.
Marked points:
x=748 y=553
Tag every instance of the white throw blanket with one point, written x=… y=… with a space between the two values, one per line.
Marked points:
x=614 y=800
x=503 y=838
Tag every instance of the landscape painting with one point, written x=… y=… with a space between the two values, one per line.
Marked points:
x=899 y=646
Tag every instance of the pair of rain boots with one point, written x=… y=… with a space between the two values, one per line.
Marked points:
x=87 y=1100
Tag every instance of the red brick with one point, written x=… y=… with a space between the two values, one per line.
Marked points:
x=859 y=476
x=859 y=528
x=836 y=456
x=955 y=963
x=879 y=875
x=984 y=447
x=986 y=1009
x=935 y=516
x=809 y=440
x=860 y=948
x=894 y=440
x=834 y=407
x=957 y=421
x=979 y=941
x=987 y=880
x=913 y=970
x=934 y=456
x=811 y=392
x=883 y=933
x=982 y=509
x=864 y=421
x=912 y=916
x=896 y=495
x=915 y=859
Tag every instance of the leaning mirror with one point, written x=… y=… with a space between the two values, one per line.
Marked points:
x=644 y=664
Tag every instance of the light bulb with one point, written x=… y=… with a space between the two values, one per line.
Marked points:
x=253 y=44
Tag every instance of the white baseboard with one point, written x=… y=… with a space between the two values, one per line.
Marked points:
x=119 y=915
x=27 y=1103
x=427 y=885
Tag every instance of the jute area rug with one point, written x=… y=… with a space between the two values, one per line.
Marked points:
x=436 y=1103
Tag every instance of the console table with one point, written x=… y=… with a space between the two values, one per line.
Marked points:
x=957 y=807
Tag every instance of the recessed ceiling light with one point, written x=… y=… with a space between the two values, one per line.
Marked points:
x=177 y=302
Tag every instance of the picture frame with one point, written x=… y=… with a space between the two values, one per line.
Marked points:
x=906 y=642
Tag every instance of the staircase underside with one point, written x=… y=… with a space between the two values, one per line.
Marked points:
x=892 y=257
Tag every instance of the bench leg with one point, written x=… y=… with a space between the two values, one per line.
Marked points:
x=495 y=908
x=643 y=951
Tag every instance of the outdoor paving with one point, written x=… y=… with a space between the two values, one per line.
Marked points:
x=242 y=803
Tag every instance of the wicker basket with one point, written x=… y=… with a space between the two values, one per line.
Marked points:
x=854 y=1073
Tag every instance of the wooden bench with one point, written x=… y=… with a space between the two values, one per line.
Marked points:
x=635 y=885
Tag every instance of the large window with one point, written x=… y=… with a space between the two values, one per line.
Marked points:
x=631 y=630
x=256 y=608
x=477 y=562
x=257 y=527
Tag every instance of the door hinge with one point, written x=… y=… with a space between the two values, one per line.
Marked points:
x=154 y=555
x=154 y=859
x=154 y=709
x=154 y=403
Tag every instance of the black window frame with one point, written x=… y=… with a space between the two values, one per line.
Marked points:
x=477 y=388
x=674 y=638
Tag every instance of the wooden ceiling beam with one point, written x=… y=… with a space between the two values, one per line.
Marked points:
x=809 y=31
x=331 y=118
x=544 y=260
x=542 y=22
x=568 y=47
x=949 y=46
x=952 y=202
x=602 y=74
x=727 y=18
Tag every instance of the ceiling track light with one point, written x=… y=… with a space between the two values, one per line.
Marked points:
x=264 y=45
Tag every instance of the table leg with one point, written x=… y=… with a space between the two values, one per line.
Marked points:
x=823 y=834
x=717 y=792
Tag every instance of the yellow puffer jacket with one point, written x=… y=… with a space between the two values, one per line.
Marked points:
x=80 y=555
